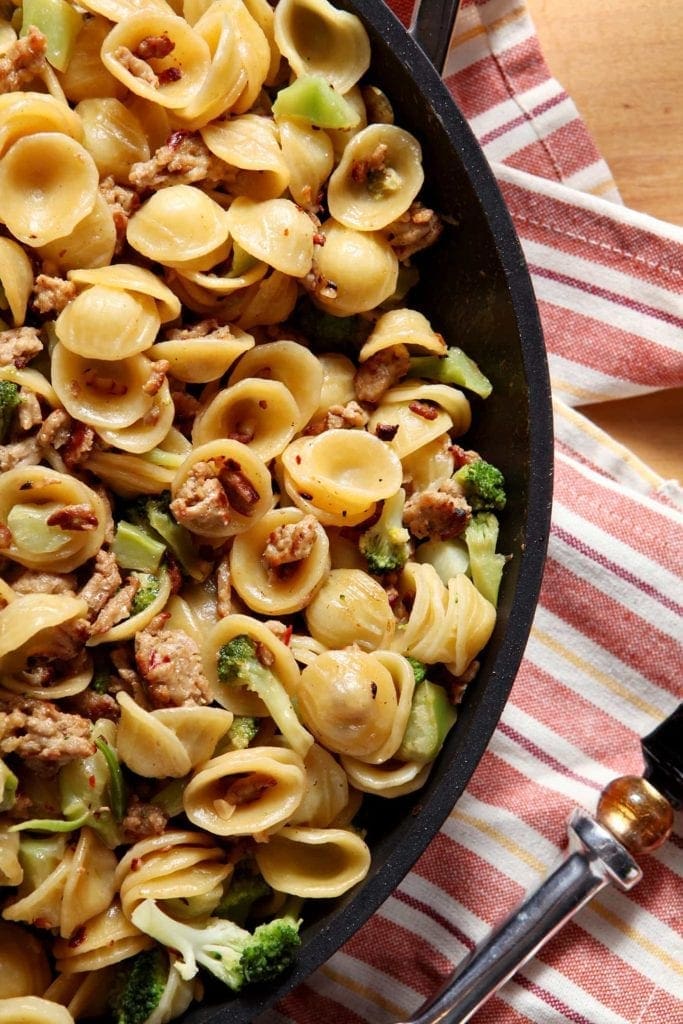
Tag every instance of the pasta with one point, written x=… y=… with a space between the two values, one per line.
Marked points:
x=247 y=563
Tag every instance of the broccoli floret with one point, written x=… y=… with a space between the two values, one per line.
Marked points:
x=9 y=400
x=233 y=955
x=483 y=485
x=151 y=512
x=486 y=567
x=237 y=664
x=386 y=545
x=327 y=333
x=419 y=669
x=138 y=987
x=148 y=592
x=240 y=897
x=101 y=681
x=241 y=732
x=454 y=368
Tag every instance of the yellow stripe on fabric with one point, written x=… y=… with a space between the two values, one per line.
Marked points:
x=672 y=963
x=607 y=185
x=502 y=839
x=480 y=30
x=603 y=678
x=607 y=441
x=362 y=990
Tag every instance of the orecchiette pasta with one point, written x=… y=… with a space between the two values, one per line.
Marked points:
x=237 y=527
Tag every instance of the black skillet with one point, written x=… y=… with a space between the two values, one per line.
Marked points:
x=475 y=288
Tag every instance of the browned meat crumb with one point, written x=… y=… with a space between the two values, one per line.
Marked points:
x=55 y=430
x=247 y=788
x=21 y=453
x=424 y=409
x=42 y=735
x=414 y=230
x=92 y=705
x=461 y=457
x=52 y=294
x=23 y=61
x=29 y=413
x=361 y=170
x=223 y=588
x=142 y=820
x=171 y=666
x=103 y=584
x=351 y=416
x=31 y=582
x=137 y=67
x=152 y=47
x=78 y=518
x=122 y=202
x=18 y=346
x=439 y=513
x=117 y=607
x=157 y=377
x=211 y=492
x=291 y=542
x=380 y=373
x=79 y=445
x=184 y=160
x=126 y=676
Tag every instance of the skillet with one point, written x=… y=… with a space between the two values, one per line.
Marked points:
x=475 y=289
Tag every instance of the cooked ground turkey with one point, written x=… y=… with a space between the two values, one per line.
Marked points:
x=92 y=705
x=19 y=345
x=291 y=542
x=171 y=666
x=52 y=294
x=103 y=584
x=414 y=230
x=31 y=582
x=207 y=498
x=380 y=372
x=223 y=588
x=184 y=160
x=21 y=453
x=439 y=513
x=23 y=61
x=117 y=607
x=55 y=430
x=137 y=67
x=29 y=413
x=142 y=820
x=351 y=416
x=42 y=735
x=122 y=203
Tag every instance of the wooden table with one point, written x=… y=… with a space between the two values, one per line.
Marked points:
x=621 y=62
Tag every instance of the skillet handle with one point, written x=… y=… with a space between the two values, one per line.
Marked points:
x=432 y=26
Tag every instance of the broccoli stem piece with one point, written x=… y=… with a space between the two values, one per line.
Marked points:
x=151 y=514
x=313 y=99
x=237 y=664
x=117 y=784
x=483 y=485
x=486 y=567
x=454 y=368
x=59 y=22
x=134 y=548
x=9 y=400
x=240 y=897
x=386 y=545
x=233 y=955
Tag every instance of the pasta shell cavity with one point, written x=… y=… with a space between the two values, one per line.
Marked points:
x=246 y=792
x=113 y=136
x=343 y=469
x=16 y=279
x=25 y=113
x=289 y=587
x=33 y=501
x=314 y=863
x=377 y=179
x=327 y=790
x=227 y=76
x=260 y=413
x=26 y=622
x=309 y=156
x=317 y=39
x=178 y=219
x=129 y=278
x=250 y=144
x=90 y=244
x=109 y=939
x=292 y=364
x=25 y=969
x=354 y=271
x=275 y=231
x=87 y=387
x=171 y=80
x=107 y=323
x=201 y=359
x=48 y=183
x=351 y=608
x=402 y=327
x=236 y=482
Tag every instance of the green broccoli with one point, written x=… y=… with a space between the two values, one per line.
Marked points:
x=148 y=592
x=151 y=512
x=9 y=400
x=8 y=787
x=237 y=664
x=483 y=485
x=240 y=897
x=241 y=732
x=139 y=986
x=233 y=955
x=486 y=567
x=454 y=368
x=327 y=333
x=419 y=669
x=386 y=545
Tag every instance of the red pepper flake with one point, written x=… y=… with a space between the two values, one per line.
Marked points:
x=136 y=864
x=297 y=459
x=423 y=409
x=262 y=404
x=78 y=937
x=92 y=781
x=287 y=635
x=176 y=139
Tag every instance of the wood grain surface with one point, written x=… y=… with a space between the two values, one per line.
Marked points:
x=621 y=61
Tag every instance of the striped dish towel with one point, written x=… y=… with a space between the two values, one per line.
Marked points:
x=603 y=663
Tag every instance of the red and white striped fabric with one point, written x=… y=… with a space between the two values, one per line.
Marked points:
x=603 y=663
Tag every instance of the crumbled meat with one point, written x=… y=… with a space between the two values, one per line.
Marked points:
x=212 y=490
x=157 y=377
x=117 y=607
x=415 y=229
x=137 y=67
x=23 y=61
x=291 y=542
x=92 y=705
x=361 y=170
x=29 y=412
x=278 y=629
x=126 y=676
x=55 y=430
x=461 y=457
x=439 y=513
x=142 y=820
x=202 y=329
x=171 y=666
x=171 y=74
x=186 y=407
x=77 y=518
x=380 y=372
x=241 y=493
x=223 y=588
x=386 y=431
x=103 y=584
x=42 y=735
x=79 y=445
x=122 y=202
x=247 y=788
x=5 y=536
x=18 y=346
x=52 y=294
x=424 y=409
x=62 y=643
x=152 y=47
x=21 y=453
x=32 y=582
x=184 y=160
x=105 y=385
x=339 y=417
